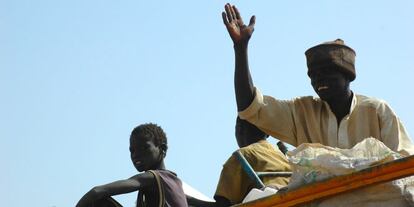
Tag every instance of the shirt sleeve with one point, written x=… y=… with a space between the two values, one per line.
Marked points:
x=230 y=182
x=393 y=132
x=274 y=117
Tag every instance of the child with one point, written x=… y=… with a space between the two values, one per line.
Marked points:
x=234 y=184
x=157 y=186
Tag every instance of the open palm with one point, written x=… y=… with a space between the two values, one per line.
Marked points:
x=239 y=32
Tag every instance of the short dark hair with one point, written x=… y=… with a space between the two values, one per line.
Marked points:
x=153 y=131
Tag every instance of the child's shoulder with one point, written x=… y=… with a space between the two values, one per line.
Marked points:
x=164 y=173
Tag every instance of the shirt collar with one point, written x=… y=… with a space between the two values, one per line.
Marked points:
x=353 y=102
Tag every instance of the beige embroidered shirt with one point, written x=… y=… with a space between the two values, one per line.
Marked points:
x=310 y=120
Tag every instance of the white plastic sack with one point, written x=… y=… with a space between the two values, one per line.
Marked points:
x=255 y=194
x=315 y=162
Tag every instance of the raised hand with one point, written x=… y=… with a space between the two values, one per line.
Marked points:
x=239 y=32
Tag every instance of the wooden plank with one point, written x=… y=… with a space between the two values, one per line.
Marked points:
x=374 y=175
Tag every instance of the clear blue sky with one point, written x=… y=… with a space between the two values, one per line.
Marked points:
x=77 y=76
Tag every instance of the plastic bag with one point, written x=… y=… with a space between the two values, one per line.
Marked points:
x=255 y=194
x=315 y=162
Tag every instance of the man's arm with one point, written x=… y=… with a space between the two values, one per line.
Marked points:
x=240 y=34
x=393 y=132
x=118 y=187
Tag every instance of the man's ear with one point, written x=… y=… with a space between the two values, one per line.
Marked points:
x=163 y=148
x=163 y=153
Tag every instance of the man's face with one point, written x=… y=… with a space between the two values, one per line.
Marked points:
x=145 y=155
x=329 y=83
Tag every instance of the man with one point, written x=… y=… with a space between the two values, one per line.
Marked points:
x=234 y=183
x=338 y=118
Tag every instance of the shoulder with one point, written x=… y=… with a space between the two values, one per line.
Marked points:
x=264 y=153
x=307 y=103
x=145 y=179
x=247 y=152
x=307 y=99
x=262 y=147
x=372 y=102
x=164 y=173
x=143 y=176
x=167 y=177
x=298 y=99
x=255 y=146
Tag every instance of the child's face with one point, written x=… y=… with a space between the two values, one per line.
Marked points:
x=145 y=155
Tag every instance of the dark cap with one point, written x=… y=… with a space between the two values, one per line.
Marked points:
x=333 y=54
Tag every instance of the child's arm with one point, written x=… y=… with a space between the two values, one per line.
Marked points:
x=115 y=188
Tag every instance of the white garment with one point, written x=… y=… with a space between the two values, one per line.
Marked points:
x=310 y=120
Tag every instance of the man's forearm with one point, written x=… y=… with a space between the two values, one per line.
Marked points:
x=243 y=82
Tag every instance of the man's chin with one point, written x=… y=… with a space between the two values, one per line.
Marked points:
x=325 y=97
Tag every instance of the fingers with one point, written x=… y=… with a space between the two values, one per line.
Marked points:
x=252 y=21
x=223 y=15
x=236 y=12
x=229 y=12
x=232 y=13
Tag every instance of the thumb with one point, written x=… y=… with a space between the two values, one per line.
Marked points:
x=252 y=21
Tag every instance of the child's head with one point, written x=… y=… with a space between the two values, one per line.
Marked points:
x=148 y=147
x=247 y=133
